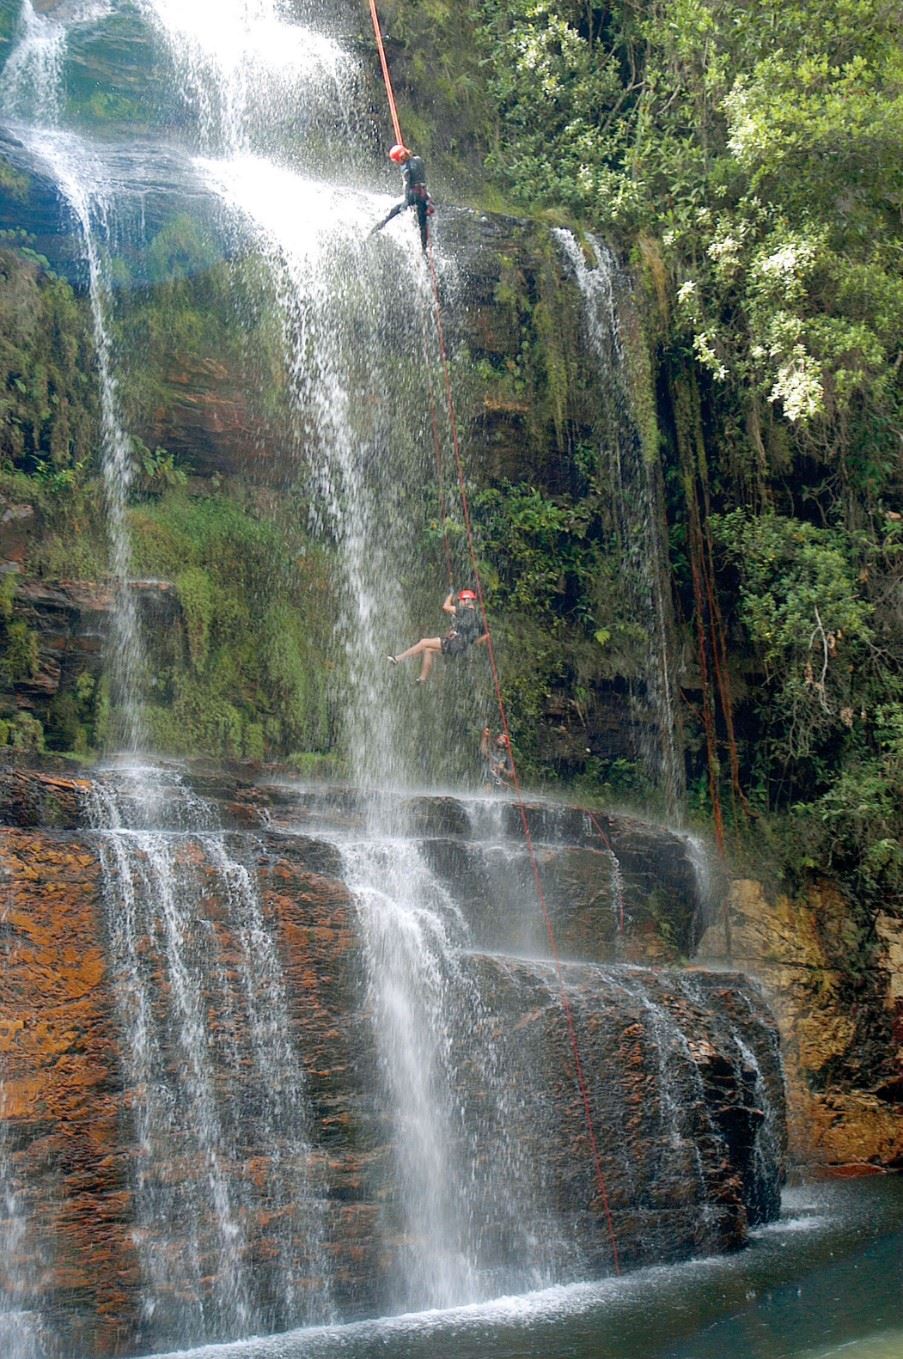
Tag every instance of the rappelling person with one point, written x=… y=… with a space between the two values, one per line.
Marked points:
x=416 y=194
x=497 y=760
x=466 y=631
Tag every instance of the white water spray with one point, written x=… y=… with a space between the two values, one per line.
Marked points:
x=247 y=70
x=188 y=1110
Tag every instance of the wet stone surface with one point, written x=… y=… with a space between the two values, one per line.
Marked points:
x=682 y=1069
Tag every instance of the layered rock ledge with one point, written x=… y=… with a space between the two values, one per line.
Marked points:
x=683 y=1070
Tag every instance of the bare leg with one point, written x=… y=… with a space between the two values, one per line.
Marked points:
x=426 y=665
x=425 y=644
x=429 y=648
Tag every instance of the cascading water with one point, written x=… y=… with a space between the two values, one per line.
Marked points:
x=358 y=392
x=750 y=1061
x=229 y=1184
x=31 y=76
x=474 y=1219
x=212 y=1069
x=31 y=94
x=247 y=71
x=22 y=1332
x=638 y=513
x=359 y=386
x=236 y=65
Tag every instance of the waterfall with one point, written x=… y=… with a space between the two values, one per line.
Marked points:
x=31 y=94
x=31 y=77
x=22 y=1328
x=183 y=1110
x=471 y=1157
x=211 y=1068
x=360 y=391
x=474 y=1221
x=633 y=473
x=755 y=1053
x=246 y=69
x=357 y=384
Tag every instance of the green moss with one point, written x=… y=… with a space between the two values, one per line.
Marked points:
x=12 y=181
x=48 y=392
x=19 y=660
x=22 y=732
x=195 y=590
x=7 y=595
x=250 y=678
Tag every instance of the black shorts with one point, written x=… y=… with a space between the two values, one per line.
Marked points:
x=453 y=644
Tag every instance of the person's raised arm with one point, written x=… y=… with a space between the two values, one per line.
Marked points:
x=449 y=605
x=485 y=738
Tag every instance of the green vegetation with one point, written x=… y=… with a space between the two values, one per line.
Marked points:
x=18 y=644
x=48 y=391
x=246 y=672
x=249 y=672
x=750 y=160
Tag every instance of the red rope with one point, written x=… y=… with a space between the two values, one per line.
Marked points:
x=566 y=1007
x=503 y=714
x=387 y=78
x=434 y=420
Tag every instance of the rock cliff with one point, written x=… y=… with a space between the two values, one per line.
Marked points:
x=683 y=1070
x=841 y=1025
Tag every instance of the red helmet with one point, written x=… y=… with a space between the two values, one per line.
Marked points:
x=466 y=594
x=399 y=154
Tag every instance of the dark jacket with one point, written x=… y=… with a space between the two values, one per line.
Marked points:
x=468 y=624
x=414 y=175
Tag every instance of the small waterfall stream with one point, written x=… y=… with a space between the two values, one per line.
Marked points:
x=211 y=1066
x=31 y=94
x=638 y=512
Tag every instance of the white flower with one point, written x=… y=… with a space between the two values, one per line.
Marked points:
x=686 y=291
x=783 y=261
x=725 y=250
x=708 y=358
x=799 y=386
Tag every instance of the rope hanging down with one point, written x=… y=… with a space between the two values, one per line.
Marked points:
x=387 y=78
x=521 y=805
x=434 y=421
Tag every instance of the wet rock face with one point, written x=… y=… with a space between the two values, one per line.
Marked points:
x=682 y=1071
x=70 y=620
x=840 y=1013
x=616 y=888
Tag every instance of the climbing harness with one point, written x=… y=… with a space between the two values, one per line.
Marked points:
x=567 y=1008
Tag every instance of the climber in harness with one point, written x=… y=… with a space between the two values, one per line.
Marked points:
x=466 y=631
x=416 y=194
x=497 y=760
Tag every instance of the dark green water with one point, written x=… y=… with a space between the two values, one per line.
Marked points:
x=826 y=1280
